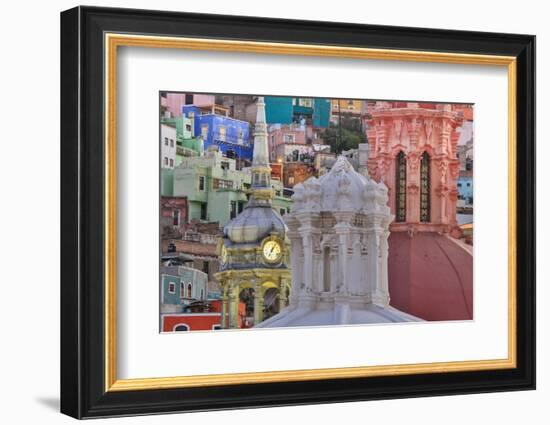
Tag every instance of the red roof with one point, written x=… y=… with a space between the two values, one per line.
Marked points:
x=430 y=276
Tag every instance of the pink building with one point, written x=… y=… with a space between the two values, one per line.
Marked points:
x=413 y=150
x=280 y=135
x=174 y=101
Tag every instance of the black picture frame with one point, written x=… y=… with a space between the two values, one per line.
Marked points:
x=83 y=392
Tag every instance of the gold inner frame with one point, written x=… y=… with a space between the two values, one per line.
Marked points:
x=113 y=41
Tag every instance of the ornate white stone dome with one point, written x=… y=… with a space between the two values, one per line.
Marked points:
x=255 y=223
x=341 y=190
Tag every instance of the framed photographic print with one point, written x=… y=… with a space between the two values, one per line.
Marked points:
x=261 y=212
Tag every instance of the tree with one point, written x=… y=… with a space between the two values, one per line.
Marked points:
x=345 y=135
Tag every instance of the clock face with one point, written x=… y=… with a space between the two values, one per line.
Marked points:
x=272 y=251
x=224 y=254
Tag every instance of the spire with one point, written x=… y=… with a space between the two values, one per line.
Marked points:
x=262 y=192
x=261 y=155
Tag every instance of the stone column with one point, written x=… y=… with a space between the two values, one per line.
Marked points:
x=258 y=306
x=282 y=294
x=373 y=246
x=342 y=229
x=224 y=309
x=413 y=188
x=233 y=308
x=381 y=294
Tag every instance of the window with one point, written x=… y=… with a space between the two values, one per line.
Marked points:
x=188 y=127
x=182 y=289
x=459 y=185
x=400 y=187
x=467 y=184
x=202 y=294
x=171 y=162
x=171 y=288
x=425 y=188
x=203 y=211
x=204 y=131
x=171 y=143
x=222 y=184
x=188 y=99
x=222 y=131
x=205 y=266
x=289 y=138
x=189 y=291
x=175 y=217
x=165 y=160
x=166 y=141
x=201 y=183
x=181 y=328
x=307 y=102
x=233 y=210
x=240 y=207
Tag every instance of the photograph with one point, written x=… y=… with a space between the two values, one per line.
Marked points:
x=287 y=211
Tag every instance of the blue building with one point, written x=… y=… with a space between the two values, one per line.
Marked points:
x=181 y=285
x=465 y=187
x=288 y=110
x=231 y=135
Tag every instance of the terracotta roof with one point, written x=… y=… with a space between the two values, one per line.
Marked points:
x=430 y=276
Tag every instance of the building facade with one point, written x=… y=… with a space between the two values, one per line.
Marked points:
x=180 y=286
x=168 y=140
x=229 y=134
x=172 y=102
x=413 y=151
x=173 y=216
x=312 y=111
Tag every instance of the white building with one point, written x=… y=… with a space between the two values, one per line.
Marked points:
x=339 y=228
x=167 y=146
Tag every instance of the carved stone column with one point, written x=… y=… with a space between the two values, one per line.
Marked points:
x=233 y=307
x=342 y=229
x=381 y=294
x=224 y=309
x=282 y=294
x=258 y=306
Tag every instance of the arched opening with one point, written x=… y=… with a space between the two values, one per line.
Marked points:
x=425 y=187
x=401 y=187
x=326 y=269
x=246 y=296
x=181 y=328
x=271 y=302
x=189 y=291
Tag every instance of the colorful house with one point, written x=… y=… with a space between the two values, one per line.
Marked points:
x=200 y=316
x=215 y=190
x=465 y=187
x=287 y=110
x=179 y=286
x=230 y=134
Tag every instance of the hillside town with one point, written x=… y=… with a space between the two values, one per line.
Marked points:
x=243 y=246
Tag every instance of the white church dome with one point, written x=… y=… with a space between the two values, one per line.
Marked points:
x=340 y=190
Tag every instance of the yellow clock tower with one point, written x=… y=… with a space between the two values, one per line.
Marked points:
x=255 y=250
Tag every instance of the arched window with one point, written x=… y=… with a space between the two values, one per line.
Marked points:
x=425 y=188
x=189 y=291
x=181 y=328
x=401 y=187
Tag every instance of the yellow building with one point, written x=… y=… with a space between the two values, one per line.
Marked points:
x=255 y=249
x=346 y=106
